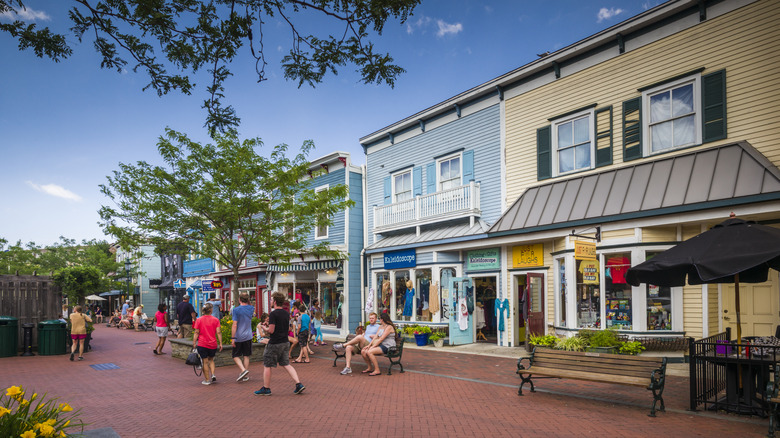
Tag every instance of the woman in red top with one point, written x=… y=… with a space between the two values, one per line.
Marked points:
x=161 y=327
x=206 y=339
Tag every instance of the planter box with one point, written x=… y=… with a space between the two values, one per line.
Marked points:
x=180 y=349
x=609 y=350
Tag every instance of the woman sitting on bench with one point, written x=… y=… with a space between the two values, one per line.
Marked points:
x=384 y=339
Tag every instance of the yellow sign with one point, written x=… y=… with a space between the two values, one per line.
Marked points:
x=528 y=256
x=590 y=271
x=584 y=250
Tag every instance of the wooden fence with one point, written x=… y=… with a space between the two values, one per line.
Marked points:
x=31 y=299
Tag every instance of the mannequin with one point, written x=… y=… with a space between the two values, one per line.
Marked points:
x=479 y=320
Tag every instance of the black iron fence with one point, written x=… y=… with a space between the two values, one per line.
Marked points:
x=732 y=376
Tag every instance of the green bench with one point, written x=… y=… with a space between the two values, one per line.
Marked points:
x=394 y=354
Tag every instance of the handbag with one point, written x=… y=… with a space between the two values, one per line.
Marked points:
x=193 y=358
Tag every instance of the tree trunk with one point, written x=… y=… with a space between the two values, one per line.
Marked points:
x=234 y=287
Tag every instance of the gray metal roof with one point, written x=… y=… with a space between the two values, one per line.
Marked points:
x=434 y=235
x=723 y=175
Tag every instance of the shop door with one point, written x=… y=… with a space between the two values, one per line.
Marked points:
x=461 y=331
x=535 y=304
x=758 y=307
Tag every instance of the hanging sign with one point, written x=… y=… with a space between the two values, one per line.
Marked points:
x=483 y=260
x=211 y=285
x=401 y=259
x=528 y=256
x=590 y=271
x=178 y=284
x=584 y=250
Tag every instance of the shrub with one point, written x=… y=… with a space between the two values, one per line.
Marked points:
x=575 y=343
x=631 y=347
x=36 y=416
x=604 y=338
x=544 y=341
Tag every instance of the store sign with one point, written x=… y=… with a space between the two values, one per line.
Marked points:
x=483 y=259
x=590 y=271
x=401 y=259
x=211 y=285
x=179 y=284
x=584 y=250
x=528 y=256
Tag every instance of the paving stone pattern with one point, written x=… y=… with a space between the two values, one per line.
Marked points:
x=440 y=395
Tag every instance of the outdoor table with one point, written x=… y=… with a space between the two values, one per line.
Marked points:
x=755 y=373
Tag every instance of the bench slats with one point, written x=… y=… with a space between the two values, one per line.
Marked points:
x=605 y=369
x=584 y=375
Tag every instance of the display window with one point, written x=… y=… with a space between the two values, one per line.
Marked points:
x=446 y=275
x=561 y=296
x=422 y=291
x=384 y=292
x=588 y=294
x=617 y=293
x=329 y=301
x=404 y=296
x=659 y=305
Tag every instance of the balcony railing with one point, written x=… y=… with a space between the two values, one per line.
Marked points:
x=441 y=206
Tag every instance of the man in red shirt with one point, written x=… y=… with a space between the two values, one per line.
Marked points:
x=208 y=332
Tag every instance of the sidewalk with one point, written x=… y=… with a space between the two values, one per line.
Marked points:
x=441 y=394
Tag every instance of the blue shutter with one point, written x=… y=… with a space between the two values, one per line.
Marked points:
x=543 y=153
x=468 y=166
x=713 y=98
x=388 y=191
x=417 y=180
x=430 y=175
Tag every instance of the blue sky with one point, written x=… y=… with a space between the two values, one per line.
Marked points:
x=65 y=126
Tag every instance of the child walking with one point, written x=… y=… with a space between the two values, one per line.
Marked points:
x=317 y=325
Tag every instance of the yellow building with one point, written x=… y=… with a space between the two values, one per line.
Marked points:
x=646 y=134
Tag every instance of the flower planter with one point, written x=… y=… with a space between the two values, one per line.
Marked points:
x=439 y=343
x=422 y=339
x=180 y=349
x=609 y=350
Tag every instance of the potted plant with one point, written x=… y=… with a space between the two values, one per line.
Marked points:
x=421 y=334
x=544 y=341
x=438 y=339
x=603 y=341
x=632 y=348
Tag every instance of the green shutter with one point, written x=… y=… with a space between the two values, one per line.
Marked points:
x=543 y=153
x=713 y=103
x=603 y=119
x=632 y=129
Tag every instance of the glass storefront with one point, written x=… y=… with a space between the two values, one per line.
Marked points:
x=659 y=305
x=423 y=289
x=561 y=301
x=446 y=276
x=617 y=292
x=402 y=310
x=588 y=294
x=384 y=292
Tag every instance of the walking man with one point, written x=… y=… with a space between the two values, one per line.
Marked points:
x=277 y=352
x=215 y=303
x=241 y=337
x=185 y=313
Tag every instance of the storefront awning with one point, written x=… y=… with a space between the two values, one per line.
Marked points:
x=431 y=235
x=110 y=293
x=304 y=266
x=197 y=284
x=727 y=175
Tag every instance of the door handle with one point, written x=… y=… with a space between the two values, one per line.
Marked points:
x=727 y=318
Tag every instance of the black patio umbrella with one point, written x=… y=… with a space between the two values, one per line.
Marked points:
x=733 y=251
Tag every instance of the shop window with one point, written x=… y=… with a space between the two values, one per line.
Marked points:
x=402 y=186
x=321 y=229
x=573 y=143
x=561 y=301
x=659 y=305
x=617 y=291
x=588 y=298
x=674 y=117
x=449 y=173
x=384 y=292
x=423 y=289
x=485 y=307
x=402 y=312
x=329 y=301
x=446 y=276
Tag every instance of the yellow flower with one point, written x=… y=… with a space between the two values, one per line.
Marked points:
x=34 y=396
x=52 y=421
x=23 y=402
x=3 y=411
x=14 y=391
x=64 y=425
x=46 y=430
x=62 y=434
x=28 y=434
x=64 y=407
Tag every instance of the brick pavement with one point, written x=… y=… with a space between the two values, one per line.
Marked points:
x=441 y=394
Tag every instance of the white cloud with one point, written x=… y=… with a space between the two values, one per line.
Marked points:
x=417 y=25
x=55 y=190
x=447 y=28
x=25 y=14
x=606 y=14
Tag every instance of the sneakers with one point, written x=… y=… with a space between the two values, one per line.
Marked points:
x=323 y=343
x=242 y=376
x=71 y=356
x=213 y=379
x=346 y=370
x=265 y=391
x=81 y=357
x=245 y=379
x=206 y=382
x=298 y=388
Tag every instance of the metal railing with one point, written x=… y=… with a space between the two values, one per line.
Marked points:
x=444 y=205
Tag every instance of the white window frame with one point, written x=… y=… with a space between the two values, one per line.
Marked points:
x=590 y=113
x=439 y=162
x=647 y=140
x=317 y=235
x=411 y=185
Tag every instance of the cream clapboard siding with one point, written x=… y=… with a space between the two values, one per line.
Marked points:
x=550 y=277
x=743 y=42
x=627 y=233
x=659 y=234
x=692 y=308
x=559 y=244
x=689 y=231
x=713 y=312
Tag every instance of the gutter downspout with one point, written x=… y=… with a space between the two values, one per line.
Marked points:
x=363 y=251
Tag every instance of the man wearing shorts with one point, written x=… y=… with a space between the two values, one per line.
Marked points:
x=206 y=339
x=241 y=337
x=356 y=344
x=185 y=314
x=277 y=351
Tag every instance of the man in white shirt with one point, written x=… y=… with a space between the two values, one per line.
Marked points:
x=358 y=342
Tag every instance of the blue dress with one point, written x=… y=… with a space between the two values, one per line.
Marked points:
x=408 y=300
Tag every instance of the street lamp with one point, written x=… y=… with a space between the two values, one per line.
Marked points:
x=127 y=278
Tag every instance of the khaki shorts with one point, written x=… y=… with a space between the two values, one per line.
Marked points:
x=136 y=319
x=185 y=330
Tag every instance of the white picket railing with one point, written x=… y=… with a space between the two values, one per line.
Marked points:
x=444 y=205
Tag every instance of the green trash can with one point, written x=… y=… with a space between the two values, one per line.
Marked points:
x=52 y=337
x=9 y=336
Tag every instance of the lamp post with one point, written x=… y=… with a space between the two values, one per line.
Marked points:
x=127 y=278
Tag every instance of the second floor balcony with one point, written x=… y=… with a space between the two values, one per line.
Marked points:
x=445 y=205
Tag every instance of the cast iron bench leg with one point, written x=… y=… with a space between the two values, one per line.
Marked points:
x=524 y=381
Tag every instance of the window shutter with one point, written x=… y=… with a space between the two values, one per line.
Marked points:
x=388 y=191
x=543 y=153
x=417 y=180
x=713 y=103
x=603 y=129
x=632 y=129
x=430 y=175
x=468 y=166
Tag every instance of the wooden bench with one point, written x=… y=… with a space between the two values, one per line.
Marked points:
x=646 y=372
x=394 y=354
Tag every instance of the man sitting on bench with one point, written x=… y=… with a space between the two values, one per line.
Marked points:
x=359 y=342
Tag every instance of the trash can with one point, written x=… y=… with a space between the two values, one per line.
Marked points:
x=9 y=336
x=52 y=337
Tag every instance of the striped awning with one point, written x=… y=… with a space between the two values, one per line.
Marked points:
x=304 y=266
